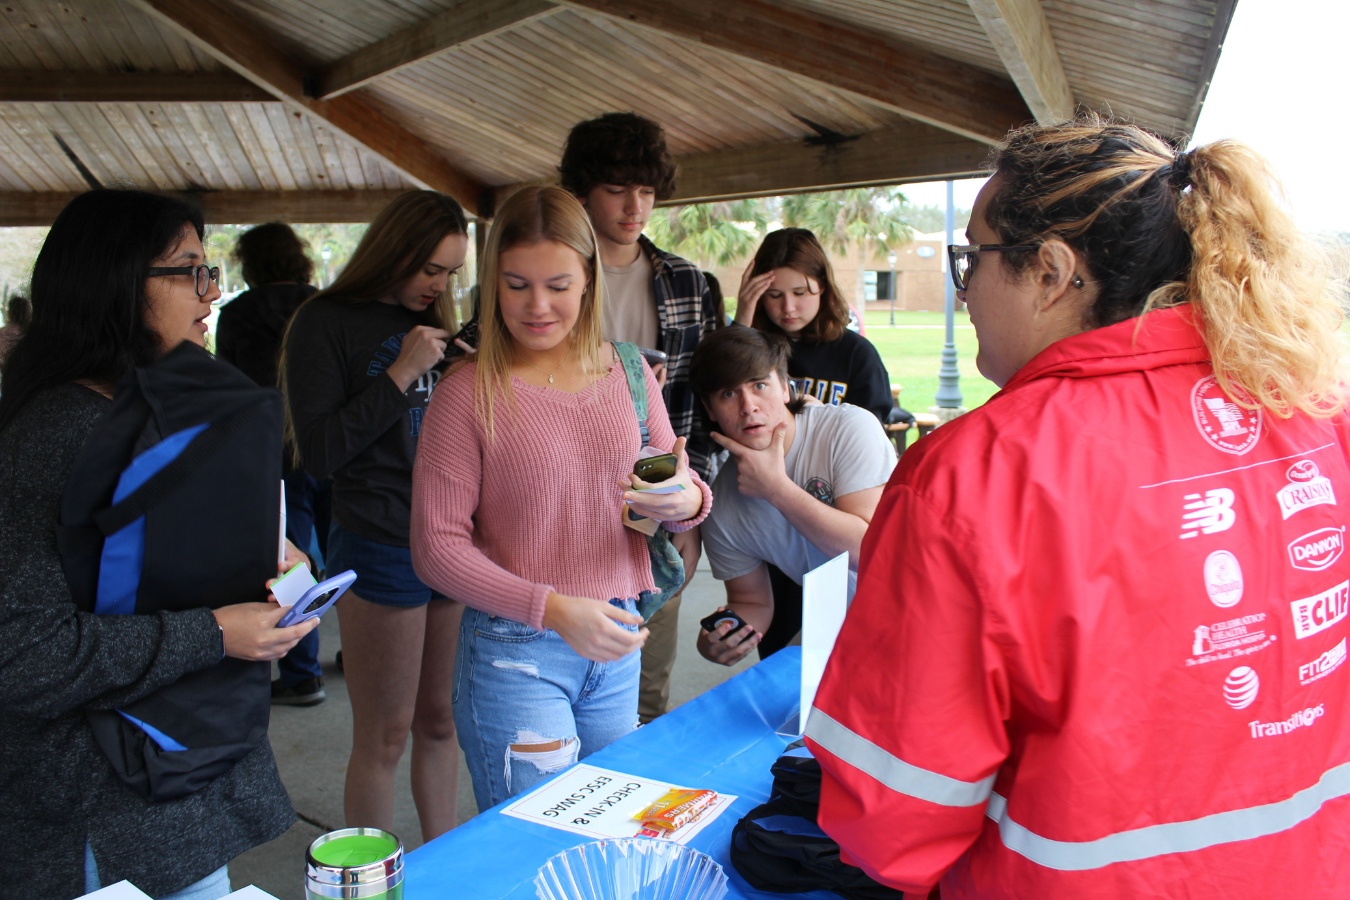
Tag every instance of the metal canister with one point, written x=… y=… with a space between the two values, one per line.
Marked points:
x=354 y=864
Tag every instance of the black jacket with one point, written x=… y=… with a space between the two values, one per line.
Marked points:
x=249 y=331
x=57 y=790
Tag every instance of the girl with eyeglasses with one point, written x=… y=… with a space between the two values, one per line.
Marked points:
x=1097 y=647
x=521 y=480
x=121 y=280
x=360 y=362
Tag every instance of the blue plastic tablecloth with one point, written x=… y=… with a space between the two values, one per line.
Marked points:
x=725 y=740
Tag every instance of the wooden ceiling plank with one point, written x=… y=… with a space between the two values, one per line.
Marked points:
x=119 y=130
x=29 y=208
x=100 y=158
x=238 y=45
x=250 y=145
x=279 y=119
x=197 y=167
x=270 y=145
x=46 y=166
x=127 y=87
x=304 y=138
x=204 y=131
x=906 y=78
x=468 y=21
x=1021 y=35
x=332 y=160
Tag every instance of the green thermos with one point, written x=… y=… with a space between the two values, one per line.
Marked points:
x=354 y=864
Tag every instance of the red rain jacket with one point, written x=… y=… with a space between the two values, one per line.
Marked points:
x=1098 y=647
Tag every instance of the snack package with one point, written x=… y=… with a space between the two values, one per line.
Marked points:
x=673 y=810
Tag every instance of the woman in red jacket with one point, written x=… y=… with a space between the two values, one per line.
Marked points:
x=1098 y=642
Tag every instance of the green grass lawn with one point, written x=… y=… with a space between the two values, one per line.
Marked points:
x=912 y=352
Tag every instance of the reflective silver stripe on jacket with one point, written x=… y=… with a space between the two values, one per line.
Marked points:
x=890 y=770
x=1171 y=837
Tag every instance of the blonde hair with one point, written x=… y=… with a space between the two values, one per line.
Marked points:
x=1156 y=228
x=531 y=216
x=397 y=244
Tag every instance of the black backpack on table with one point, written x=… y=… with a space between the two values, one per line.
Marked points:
x=174 y=504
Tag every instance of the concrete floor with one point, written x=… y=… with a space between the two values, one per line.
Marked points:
x=312 y=744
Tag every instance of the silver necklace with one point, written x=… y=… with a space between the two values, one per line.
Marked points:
x=550 y=375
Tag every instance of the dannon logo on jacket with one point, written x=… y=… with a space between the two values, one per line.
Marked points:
x=1318 y=549
x=1307 y=487
x=1320 y=611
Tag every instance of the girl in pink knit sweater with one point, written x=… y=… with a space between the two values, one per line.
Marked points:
x=522 y=475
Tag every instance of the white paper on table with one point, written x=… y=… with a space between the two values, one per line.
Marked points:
x=250 y=893
x=601 y=803
x=123 y=890
x=824 y=604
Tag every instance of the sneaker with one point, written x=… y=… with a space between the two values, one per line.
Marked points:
x=307 y=693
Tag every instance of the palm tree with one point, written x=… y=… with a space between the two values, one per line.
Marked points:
x=710 y=234
x=857 y=220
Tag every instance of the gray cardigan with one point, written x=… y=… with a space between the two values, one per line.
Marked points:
x=57 y=791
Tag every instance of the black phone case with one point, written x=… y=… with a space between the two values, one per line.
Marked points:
x=712 y=620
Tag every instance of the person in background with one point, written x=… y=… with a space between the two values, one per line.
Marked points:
x=1098 y=644
x=520 y=484
x=618 y=167
x=248 y=335
x=18 y=313
x=361 y=360
x=789 y=288
x=799 y=487
x=98 y=312
x=719 y=301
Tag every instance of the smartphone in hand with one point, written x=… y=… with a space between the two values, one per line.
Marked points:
x=710 y=622
x=318 y=599
x=654 y=358
x=652 y=469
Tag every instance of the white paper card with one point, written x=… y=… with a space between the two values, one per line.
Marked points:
x=281 y=539
x=601 y=803
x=123 y=890
x=250 y=893
x=824 y=604
x=289 y=588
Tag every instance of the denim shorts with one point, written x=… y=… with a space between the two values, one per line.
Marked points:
x=516 y=685
x=384 y=573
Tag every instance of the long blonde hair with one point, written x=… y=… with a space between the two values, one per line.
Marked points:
x=1158 y=228
x=531 y=216
x=396 y=245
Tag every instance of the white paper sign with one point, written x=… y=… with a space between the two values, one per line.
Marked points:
x=123 y=890
x=601 y=803
x=824 y=604
x=289 y=588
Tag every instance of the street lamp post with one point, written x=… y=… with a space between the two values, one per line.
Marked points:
x=949 y=376
x=890 y=257
x=326 y=253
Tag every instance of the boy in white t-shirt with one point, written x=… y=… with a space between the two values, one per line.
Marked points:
x=799 y=488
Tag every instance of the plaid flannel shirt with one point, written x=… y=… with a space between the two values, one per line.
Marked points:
x=686 y=313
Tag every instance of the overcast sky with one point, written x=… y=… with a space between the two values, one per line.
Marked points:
x=1283 y=87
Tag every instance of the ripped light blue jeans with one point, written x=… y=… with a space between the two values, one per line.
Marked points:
x=515 y=685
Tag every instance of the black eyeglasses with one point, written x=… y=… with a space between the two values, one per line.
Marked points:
x=204 y=274
x=963 y=256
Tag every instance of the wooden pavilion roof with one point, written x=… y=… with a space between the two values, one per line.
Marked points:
x=321 y=110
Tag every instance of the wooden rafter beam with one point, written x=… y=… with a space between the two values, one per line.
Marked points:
x=911 y=152
x=1021 y=35
x=128 y=87
x=905 y=78
x=222 y=207
x=240 y=47
x=468 y=21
